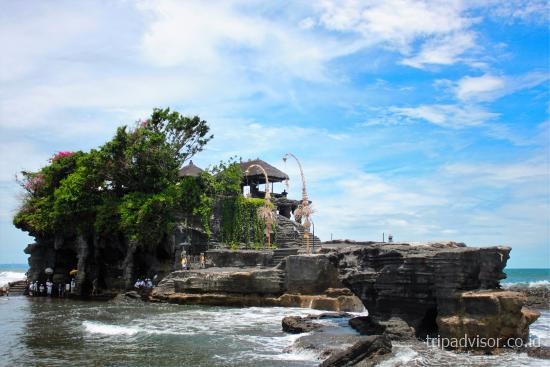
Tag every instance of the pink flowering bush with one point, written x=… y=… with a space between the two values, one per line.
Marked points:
x=60 y=155
x=34 y=182
x=143 y=123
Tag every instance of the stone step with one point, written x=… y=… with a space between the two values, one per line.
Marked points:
x=18 y=287
x=279 y=255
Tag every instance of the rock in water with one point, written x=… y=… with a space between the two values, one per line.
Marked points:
x=366 y=325
x=539 y=352
x=418 y=284
x=298 y=325
x=367 y=348
x=486 y=315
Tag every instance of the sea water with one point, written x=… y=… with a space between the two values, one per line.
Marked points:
x=527 y=278
x=61 y=332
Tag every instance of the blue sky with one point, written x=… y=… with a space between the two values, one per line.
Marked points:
x=424 y=119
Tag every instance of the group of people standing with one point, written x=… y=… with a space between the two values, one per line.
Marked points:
x=146 y=283
x=185 y=261
x=51 y=289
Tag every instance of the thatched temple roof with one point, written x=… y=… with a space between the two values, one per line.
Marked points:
x=256 y=176
x=190 y=170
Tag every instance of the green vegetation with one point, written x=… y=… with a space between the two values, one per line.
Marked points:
x=240 y=222
x=129 y=188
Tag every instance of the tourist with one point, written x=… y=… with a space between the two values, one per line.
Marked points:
x=148 y=283
x=94 y=287
x=184 y=263
x=60 y=290
x=49 y=286
x=42 y=289
x=202 y=260
x=67 y=288
x=73 y=285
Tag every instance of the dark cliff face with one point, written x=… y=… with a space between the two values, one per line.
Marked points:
x=114 y=262
x=418 y=283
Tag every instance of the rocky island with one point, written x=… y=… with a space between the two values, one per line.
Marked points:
x=113 y=215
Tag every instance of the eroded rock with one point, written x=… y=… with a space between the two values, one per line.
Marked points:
x=488 y=315
x=298 y=325
x=366 y=348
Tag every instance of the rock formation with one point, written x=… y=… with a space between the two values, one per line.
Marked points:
x=436 y=289
x=481 y=315
x=362 y=352
x=117 y=262
x=299 y=281
x=298 y=325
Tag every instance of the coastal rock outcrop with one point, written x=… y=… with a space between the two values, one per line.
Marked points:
x=251 y=287
x=426 y=286
x=410 y=291
x=485 y=315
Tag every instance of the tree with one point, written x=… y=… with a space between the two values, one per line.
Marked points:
x=128 y=186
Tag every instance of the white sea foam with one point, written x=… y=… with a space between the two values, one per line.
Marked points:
x=10 y=276
x=539 y=331
x=256 y=328
x=536 y=284
x=106 y=329
x=540 y=283
x=402 y=356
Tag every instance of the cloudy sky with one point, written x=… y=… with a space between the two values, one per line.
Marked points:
x=424 y=119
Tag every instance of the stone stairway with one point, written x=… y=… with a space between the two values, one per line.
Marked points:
x=282 y=278
x=279 y=255
x=19 y=287
x=290 y=234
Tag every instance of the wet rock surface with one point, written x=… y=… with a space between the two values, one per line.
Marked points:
x=488 y=314
x=539 y=352
x=394 y=328
x=366 y=351
x=298 y=325
x=537 y=297
x=421 y=283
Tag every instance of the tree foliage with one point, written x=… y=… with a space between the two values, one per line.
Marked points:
x=128 y=186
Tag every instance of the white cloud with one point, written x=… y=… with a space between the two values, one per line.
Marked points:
x=192 y=32
x=479 y=88
x=490 y=87
x=441 y=28
x=501 y=174
x=397 y=22
x=307 y=23
x=202 y=37
x=442 y=51
x=31 y=42
x=18 y=155
x=516 y=10
x=449 y=115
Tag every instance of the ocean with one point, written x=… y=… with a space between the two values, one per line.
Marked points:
x=61 y=332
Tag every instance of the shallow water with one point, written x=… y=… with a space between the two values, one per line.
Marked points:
x=61 y=332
